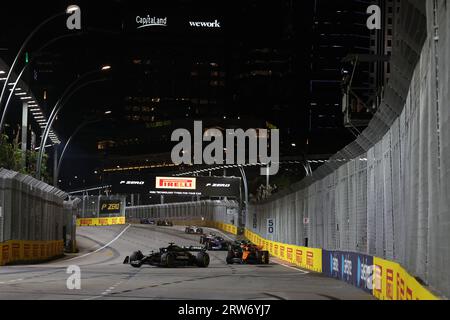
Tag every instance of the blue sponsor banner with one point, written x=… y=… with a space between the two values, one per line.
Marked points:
x=353 y=268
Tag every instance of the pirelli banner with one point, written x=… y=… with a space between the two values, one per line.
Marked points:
x=223 y=226
x=392 y=282
x=181 y=186
x=306 y=258
x=198 y=186
x=107 y=221
x=29 y=251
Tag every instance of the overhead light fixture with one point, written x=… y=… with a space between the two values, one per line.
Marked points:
x=26 y=98
x=108 y=112
x=11 y=83
x=20 y=94
x=32 y=101
x=72 y=8
x=2 y=79
x=106 y=67
x=2 y=72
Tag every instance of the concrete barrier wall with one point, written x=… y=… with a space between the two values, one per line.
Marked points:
x=33 y=218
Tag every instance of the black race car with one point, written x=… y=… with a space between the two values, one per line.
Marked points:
x=246 y=253
x=165 y=223
x=194 y=230
x=213 y=242
x=170 y=257
x=147 y=221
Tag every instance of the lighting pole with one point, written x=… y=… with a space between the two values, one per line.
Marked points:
x=245 y=206
x=67 y=94
x=22 y=48
x=13 y=89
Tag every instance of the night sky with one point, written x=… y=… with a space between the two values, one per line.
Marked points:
x=252 y=71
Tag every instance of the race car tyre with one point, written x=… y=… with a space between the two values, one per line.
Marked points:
x=230 y=257
x=259 y=257
x=266 y=257
x=168 y=260
x=200 y=231
x=135 y=256
x=202 y=259
x=136 y=264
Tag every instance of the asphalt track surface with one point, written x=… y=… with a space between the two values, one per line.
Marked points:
x=104 y=276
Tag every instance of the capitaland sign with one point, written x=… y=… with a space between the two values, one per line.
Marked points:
x=150 y=21
x=175 y=183
x=203 y=24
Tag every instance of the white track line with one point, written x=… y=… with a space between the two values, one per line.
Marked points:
x=293 y=268
x=101 y=248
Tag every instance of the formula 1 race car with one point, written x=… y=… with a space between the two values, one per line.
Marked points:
x=246 y=253
x=170 y=257
x=147 y=221
x=164 y=223
x=193 y=230
x=213 y=242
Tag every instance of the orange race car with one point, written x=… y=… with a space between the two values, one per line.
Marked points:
x=247 y=253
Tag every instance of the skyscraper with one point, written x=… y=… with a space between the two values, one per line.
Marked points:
x=339 y=30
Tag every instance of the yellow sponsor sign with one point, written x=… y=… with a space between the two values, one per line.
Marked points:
x=22 y=251
x=392 y=282
x=107 y=221
x=306 y=258
x=223 y=226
